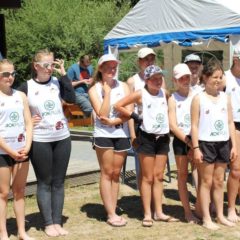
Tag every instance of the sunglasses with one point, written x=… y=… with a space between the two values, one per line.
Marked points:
x=46 y=64
x=8 y=74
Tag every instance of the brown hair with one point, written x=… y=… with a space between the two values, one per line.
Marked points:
x=210 y=67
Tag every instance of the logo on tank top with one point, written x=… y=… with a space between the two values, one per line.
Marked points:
x=49 y=105
x=14 y=116
x=219 y=126
x=187 y=118
x=160 y=118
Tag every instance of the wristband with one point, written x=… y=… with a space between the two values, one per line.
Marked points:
x=135 y=117
x=196 y=147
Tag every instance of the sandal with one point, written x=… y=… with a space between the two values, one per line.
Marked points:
x=147 y=222
x=117 y=223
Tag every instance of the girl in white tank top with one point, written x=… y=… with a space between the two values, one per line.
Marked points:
x=212 y=125
x=154 y=126
x=15 y=143
x=111 y=137
x=180 y=124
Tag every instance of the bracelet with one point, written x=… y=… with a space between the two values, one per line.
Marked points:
x=196 y=147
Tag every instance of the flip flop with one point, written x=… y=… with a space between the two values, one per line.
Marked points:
x=147 y=222
x=168 y=219
x=117 y=223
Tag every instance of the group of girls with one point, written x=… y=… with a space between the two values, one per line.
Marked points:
x=203 y=130
x=33 y=126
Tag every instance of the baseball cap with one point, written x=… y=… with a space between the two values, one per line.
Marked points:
x=107 y=58
x=152 y=70
x=192 y=58
x=180 y=70
x=143 y=52
x=236 y=51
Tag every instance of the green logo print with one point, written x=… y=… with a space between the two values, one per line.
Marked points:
x=14 y=116
x=160 y=118
x=187 y=118
x=218 y=125
x=49 y=105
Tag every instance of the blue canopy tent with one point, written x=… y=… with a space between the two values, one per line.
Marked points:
x=174 y=25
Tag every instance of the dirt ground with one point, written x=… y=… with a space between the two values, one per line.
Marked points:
x=84 y=217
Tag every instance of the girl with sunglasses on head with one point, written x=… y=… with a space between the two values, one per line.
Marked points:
x=51 y=147
x=15 y=143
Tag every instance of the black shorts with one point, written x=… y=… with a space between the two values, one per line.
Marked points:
x=215 y=152
x=237 y=125
x=151 y=144
x=180 y=147
x=7 y=161
x=117 y=144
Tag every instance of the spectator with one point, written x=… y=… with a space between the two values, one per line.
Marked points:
x=81 y=75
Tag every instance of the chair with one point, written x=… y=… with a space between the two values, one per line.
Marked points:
x=75 y=116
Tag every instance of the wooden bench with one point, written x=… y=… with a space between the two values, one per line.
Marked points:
x=75 y=116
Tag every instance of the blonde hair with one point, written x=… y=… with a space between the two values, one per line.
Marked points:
x=37 y=58
x=5 y=62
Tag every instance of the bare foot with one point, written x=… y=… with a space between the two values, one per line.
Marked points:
x=4 y=237
x=190 y=218
x=226 y=222
x=210 y=225
x=232 y=216
x=61 y=230
x=51 y=231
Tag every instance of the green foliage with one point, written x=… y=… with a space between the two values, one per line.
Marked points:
x=68 y=28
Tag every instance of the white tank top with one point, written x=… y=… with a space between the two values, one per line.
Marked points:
x=12 y=125
x=101 y=130
x=213 y=120
x=139 y=84
x=233 y=89
x=183 y=107
x=44 y=100
x=155 y=113
x=197 y=89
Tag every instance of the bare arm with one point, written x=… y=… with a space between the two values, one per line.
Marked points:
x=232 y=131
x=195 y=113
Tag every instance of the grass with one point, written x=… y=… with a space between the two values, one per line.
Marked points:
x=84 y=217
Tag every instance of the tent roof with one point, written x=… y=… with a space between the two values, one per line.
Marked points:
x=153 y=22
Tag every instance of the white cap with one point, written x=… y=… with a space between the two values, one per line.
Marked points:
x=143 y=52
x=107 y=58
x=236 y=51
x=192 y=58
x=180 y=70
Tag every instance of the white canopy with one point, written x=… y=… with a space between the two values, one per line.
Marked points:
x=192 y=24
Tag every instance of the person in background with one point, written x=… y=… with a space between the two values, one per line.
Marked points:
x=15 y=143
x=81 y=75
x=232 y=86
x=152 y=140
x=194 y=63
x=180 y=124
x=111 y=135
x=51 y=146
x=212 y=130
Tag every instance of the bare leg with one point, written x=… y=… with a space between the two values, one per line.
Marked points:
x=20 y=172
x=5 y=176
x=233 y=184
x=182 y=167
x=110 y=164
x=206 y=174
x=217 y=193
x=147 y=168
